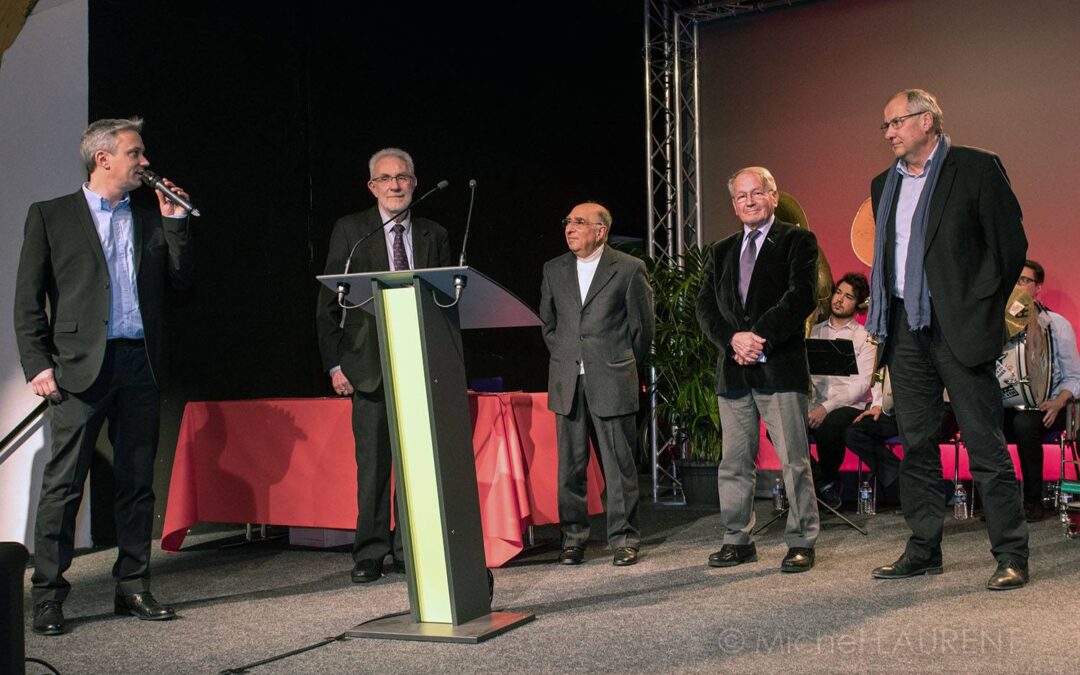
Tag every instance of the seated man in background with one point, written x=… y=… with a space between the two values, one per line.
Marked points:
x=866 y=438
x=1027 y=427
x=839 y=399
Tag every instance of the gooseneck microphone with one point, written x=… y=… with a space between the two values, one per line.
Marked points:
x=153 y=181
x=468 y=221
x=343 y=287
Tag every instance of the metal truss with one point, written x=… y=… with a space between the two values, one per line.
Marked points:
x=672 y=141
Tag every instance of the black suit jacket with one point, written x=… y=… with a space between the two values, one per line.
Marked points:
x=610 y=331
x=62 y=260
x=975 y=250
x=782 y=294
x=356 y=347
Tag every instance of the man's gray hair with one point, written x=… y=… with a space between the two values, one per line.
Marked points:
x=101 y=135
x=601 y=212
x=391 y=152
x=766 y=178
x=920 y=100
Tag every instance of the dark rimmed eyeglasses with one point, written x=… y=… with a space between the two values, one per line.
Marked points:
x=897 y=122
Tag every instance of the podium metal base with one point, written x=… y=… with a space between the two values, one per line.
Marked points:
x=470 y=632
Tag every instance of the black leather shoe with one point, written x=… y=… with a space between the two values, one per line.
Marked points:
x=730 y=555
x=572 y=555
x=624 y=555
x=142 y=606
x=49 y=618
x=906 y=567
x=798 y=559
x=1010 y=574
x=366 y=571
x=398 y=567
x=830 y=494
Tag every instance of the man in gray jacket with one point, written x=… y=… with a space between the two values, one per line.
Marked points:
x=597 y=311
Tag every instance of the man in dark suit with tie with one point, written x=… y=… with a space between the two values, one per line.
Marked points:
x=596 y=306
x=759 y=288
x=385 y=237
x=948 y=247
x=89 y=298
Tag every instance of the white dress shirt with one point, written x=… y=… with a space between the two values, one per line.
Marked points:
x=837 y=391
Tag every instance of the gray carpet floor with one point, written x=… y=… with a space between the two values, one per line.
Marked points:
x=669 y=613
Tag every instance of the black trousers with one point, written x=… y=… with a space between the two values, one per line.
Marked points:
x=125 y=395
x=866 y=438
x=922 y=365
x=1026 y=428
x=829 y=440
x=615 y=439
x=371 y=433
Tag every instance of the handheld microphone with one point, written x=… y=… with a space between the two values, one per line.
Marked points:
x=153 y=181
x=468 y=221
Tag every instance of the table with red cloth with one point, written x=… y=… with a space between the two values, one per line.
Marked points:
x=292 y=462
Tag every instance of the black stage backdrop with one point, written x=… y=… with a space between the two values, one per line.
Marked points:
x=267 y=117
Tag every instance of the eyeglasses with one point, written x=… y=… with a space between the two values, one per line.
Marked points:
x=1026 y=280
x=898 y=122
x=400 y=178
x=754 y=195
x=576 y=222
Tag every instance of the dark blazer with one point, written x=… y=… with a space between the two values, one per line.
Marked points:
x=975 y=250
x=781 y=296
x=356 y=347
x=62 y=260
x=611 y=331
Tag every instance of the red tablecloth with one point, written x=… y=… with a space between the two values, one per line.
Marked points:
x=291 y=462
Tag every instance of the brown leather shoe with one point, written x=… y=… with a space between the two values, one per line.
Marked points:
x=142 y=606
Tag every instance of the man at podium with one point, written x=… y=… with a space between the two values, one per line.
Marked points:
x=596 y=306
x=349 y=340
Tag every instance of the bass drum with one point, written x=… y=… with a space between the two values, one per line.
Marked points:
x=1025 y=369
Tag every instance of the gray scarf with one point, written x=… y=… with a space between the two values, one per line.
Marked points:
x=916 y=290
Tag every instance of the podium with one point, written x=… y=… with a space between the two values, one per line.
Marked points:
x=420 y=314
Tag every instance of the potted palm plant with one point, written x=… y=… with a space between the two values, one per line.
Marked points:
x=685 y=362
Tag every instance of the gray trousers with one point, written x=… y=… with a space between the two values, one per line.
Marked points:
x=615 y=439
x=785 y=419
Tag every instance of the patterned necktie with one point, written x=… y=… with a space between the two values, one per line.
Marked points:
x=401 y=261
x=746 y=264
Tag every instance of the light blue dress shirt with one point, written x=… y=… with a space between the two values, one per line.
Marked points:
x=115 y=230
x=911 y=188
x=1066 y=373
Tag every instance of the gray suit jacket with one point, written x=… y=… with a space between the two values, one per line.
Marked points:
x=610 y=332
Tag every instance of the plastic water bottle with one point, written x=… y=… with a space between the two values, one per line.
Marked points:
x=866 y=498
x=960 y=503
x=779 y=499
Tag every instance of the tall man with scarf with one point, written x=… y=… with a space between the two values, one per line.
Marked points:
x=948 y=248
